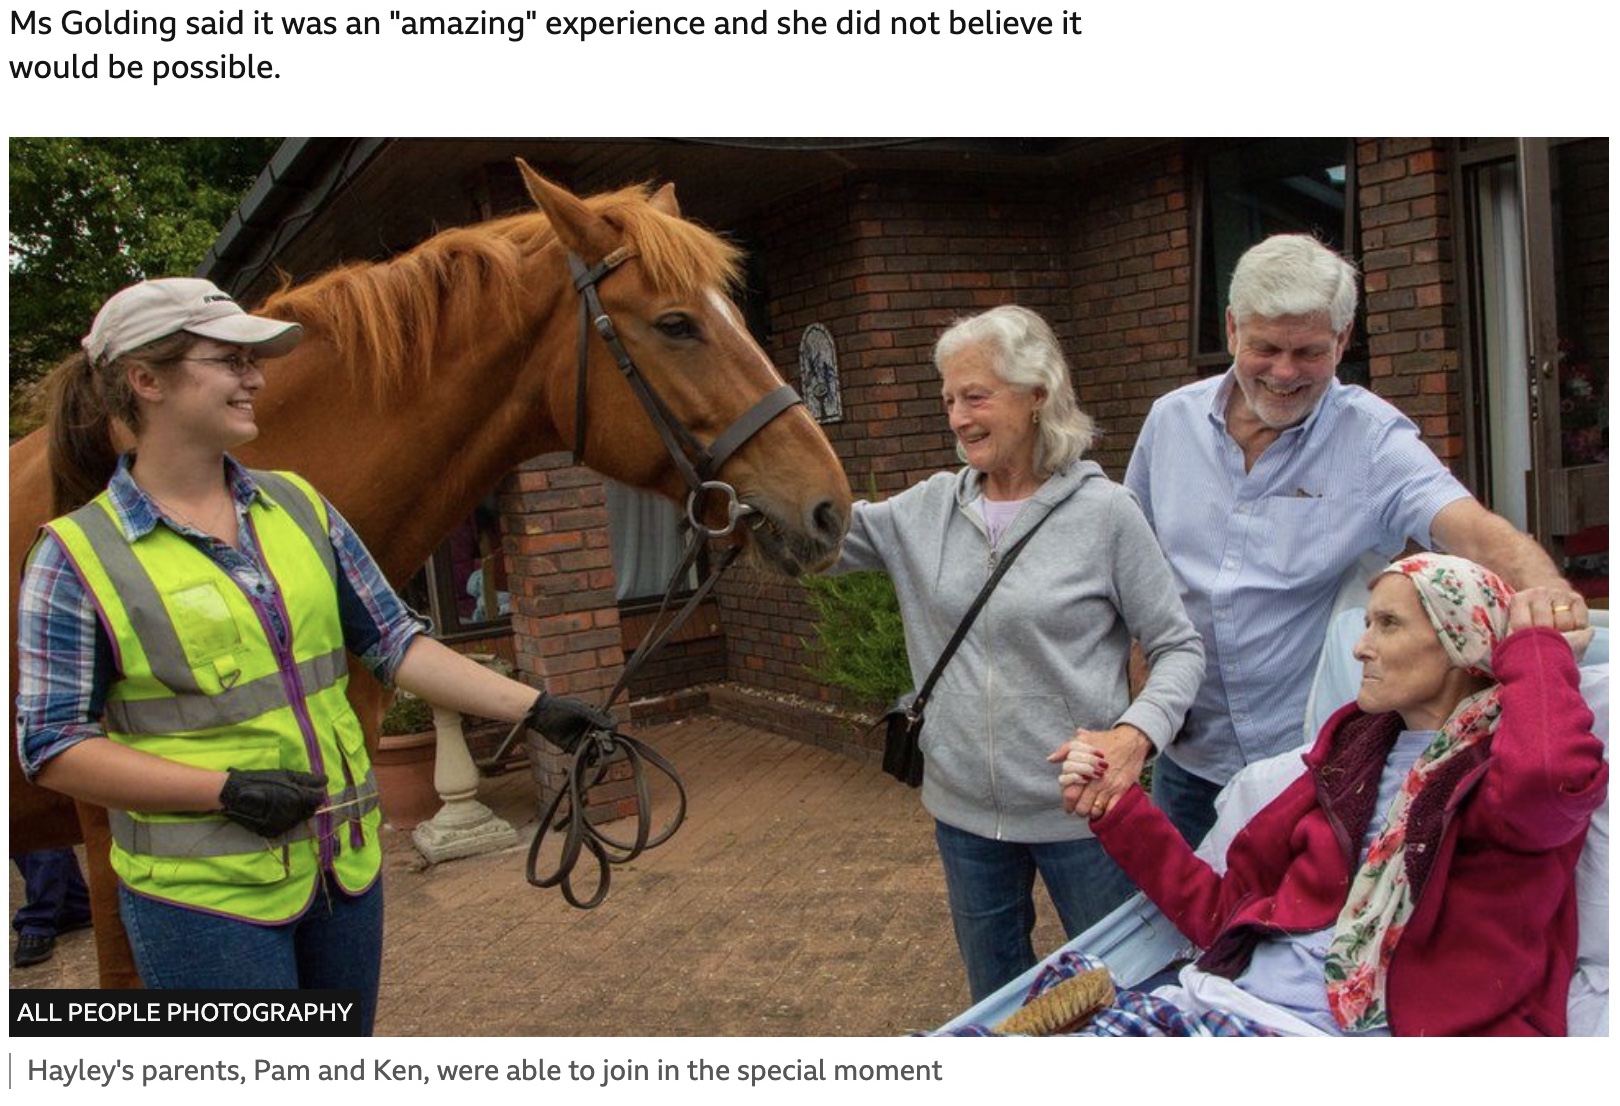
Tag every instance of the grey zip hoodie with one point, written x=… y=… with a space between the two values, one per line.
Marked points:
x=1047 y=653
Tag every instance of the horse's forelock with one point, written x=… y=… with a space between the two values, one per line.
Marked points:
x=677 y=256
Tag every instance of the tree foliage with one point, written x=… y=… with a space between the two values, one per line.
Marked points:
x=91 y=215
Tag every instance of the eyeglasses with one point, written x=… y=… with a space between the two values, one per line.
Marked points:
x=238 y=363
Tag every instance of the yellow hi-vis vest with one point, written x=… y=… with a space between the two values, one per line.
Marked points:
x=202 y=680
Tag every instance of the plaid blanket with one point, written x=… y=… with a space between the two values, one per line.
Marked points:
x=1134 y=1013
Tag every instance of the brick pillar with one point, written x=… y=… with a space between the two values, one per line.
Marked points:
x=565 y=618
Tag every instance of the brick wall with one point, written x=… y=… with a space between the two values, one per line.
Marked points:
x=1404 y=196
x=886 y=262
x=565 y=619
x=1130 y=241
x=694 y=654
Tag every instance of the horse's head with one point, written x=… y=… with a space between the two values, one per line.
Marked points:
x=664 y=283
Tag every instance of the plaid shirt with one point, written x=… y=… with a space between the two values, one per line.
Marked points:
x=66 y=661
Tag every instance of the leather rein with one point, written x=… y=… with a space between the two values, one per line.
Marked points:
x=599 y=750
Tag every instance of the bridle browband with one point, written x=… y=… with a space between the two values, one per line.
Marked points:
x=700 y=467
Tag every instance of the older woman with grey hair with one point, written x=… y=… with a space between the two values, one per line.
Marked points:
x=1045 y=661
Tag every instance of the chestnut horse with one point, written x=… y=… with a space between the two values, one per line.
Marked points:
x=424 y=379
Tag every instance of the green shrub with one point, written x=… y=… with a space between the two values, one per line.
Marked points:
x=407 y=714
x=860 y=645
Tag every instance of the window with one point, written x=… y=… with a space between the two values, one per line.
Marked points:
x=463 y=586
x=1257 y=189
x=647 y=536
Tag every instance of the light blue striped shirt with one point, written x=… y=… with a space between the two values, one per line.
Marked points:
x=1259 y=556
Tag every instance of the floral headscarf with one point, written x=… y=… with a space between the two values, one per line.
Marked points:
x=1468 y=606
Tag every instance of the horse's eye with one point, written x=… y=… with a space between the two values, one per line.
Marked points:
x=676 y=326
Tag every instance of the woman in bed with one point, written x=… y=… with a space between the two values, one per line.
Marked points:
x=1418 y=878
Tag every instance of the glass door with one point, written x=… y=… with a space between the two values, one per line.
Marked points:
x=1567 y=231
x=1538 y=274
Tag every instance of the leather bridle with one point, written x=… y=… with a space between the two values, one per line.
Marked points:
x=700 y=467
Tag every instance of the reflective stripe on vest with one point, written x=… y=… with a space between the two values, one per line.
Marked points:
x=224 y=838
x=223 y=708
x=202 y=681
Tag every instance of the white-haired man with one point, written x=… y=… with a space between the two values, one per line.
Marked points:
x=1265 y=486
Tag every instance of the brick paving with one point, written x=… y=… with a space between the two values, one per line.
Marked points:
x=802 y=897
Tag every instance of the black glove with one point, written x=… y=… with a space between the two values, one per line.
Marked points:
x=271 y=801
x=563 y=722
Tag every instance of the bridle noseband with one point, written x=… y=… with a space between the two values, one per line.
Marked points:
x=700 y=467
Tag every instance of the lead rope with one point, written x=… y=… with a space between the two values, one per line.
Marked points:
x=594 y=757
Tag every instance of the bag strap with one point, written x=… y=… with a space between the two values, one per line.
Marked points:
x=921 y=698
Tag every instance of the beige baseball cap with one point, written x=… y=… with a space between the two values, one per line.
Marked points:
x=155 y=309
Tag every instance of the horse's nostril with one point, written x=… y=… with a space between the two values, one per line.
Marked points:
x=829 y=522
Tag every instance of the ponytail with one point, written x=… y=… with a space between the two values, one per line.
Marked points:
x=91 y=414
x=78 y=428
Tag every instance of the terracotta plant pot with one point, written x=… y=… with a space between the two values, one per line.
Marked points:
x=404 y=768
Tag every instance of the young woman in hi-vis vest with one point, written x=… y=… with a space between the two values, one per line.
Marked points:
x=183 y=640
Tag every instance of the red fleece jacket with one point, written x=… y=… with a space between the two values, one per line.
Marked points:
x=1490 y=947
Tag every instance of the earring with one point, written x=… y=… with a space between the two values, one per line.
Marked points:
x=1037 y=418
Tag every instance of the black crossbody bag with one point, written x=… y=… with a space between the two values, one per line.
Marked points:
x=902 y=733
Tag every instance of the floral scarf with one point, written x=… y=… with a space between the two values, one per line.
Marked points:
x=1468 y=605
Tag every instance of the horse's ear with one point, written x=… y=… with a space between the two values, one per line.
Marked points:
x=664 y=200
x=578 y=227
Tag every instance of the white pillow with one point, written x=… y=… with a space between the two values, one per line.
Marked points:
x=1246 y=795
x=1589 y=991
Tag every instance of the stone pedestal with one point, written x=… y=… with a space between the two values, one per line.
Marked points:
x=463 y=826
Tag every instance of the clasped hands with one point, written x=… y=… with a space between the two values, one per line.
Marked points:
x=1098 y=766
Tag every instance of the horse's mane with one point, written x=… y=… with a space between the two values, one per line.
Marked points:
x=387 y=318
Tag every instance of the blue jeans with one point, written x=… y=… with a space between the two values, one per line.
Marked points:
x=337 y=943
x=991 y=884
x=58 y=900
x=1187 y=800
